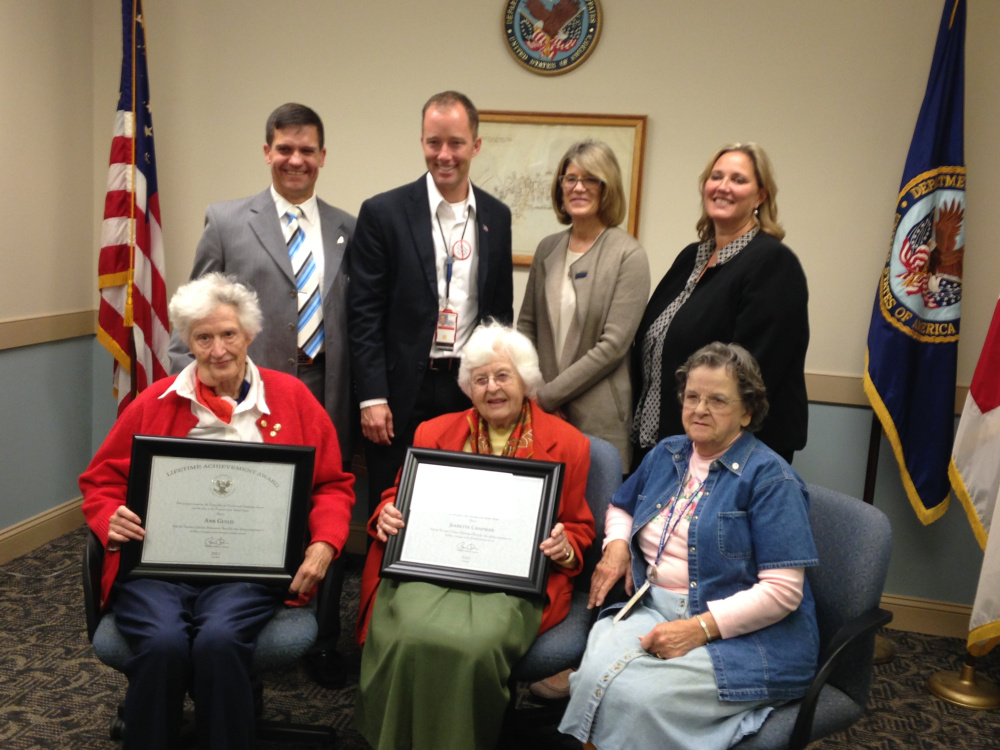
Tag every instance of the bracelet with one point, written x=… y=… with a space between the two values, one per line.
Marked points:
x=569 y=560
x=708 y=636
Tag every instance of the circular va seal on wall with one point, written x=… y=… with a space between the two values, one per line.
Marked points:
x=551 y=37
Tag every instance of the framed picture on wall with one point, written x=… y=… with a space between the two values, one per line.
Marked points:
x=521 y=151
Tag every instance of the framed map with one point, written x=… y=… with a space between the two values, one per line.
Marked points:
x=521 y=151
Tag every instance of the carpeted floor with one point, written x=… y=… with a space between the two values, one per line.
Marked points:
x=55 y=694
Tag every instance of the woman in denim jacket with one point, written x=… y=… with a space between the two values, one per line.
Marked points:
x=713 y=531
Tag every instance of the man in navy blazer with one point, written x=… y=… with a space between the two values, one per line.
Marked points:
x=248 y=238
x=428 y=261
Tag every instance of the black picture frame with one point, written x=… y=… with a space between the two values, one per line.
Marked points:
x=397 y=563
x=226 y=465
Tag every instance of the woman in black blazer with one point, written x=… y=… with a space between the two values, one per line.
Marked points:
x=738 y=284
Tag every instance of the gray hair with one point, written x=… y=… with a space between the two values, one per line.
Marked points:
x=741 y=365
x=491 y=338
x=198 y=299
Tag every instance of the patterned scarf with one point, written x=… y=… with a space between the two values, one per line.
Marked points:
x=646 y=425
x=220 y=406
x=521 y=441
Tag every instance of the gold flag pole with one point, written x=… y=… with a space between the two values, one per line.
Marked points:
x=965 y=688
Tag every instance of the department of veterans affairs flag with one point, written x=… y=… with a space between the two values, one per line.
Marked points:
x=910 y=365
x=132 y=321
x=975 y=475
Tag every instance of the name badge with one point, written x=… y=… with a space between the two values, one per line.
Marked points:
x=447 y=325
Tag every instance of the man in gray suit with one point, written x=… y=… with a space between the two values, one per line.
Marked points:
x=248 y=237
x=252 y=238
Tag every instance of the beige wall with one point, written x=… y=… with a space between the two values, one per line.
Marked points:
x=831 y=89
x=46 y=85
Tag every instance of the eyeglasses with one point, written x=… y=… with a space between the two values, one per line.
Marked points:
x=500 y=378
x=570 y=181
x=715 y=402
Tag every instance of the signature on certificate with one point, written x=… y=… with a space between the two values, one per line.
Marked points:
x=217 y=541
x=467 y=547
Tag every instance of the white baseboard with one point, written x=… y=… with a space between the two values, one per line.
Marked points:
x=23 y=537
x=926 y=616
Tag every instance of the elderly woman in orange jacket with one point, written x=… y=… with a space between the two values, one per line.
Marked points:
x=436 y=660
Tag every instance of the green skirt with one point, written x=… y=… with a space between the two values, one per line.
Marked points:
x=435 y=665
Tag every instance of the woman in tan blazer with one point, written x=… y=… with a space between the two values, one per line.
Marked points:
x=586 y=293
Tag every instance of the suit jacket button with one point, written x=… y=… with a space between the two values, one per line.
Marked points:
x=291 y=327
x=292 y=361
x=294 y=293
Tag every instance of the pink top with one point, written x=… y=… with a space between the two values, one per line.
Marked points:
x=777 y=592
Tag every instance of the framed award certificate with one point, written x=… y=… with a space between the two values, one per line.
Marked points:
x=474 y=521
x=217 y=510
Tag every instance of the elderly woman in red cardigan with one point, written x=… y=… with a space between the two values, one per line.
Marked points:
x=436 y=660
x=202 y=637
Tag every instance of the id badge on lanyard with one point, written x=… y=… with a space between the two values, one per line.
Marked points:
x=447 y=322
x=447 y=326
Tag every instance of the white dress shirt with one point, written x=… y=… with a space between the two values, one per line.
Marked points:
x=450 y=220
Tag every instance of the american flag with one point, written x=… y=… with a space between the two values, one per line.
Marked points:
x=132 y=321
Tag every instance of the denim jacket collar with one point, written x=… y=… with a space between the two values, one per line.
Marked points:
x=733 y=460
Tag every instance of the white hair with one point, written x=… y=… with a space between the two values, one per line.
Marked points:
x=491 y=338
x=198 y=299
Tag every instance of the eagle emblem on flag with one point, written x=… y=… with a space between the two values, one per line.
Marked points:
x=921 y=289
x=932 y=257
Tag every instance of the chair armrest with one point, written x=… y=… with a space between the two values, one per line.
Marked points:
x=327 y=594
x=848 y=634
x=93 y=562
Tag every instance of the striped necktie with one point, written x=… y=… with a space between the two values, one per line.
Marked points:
x=310 y=335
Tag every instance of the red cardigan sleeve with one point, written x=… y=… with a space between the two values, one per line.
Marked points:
x=573 y=449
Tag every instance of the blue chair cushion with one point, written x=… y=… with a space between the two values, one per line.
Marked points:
x=110 y=645
x=838 y=713
x=285 y=638
x=562 y=646
x=558 y=647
